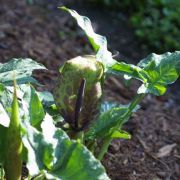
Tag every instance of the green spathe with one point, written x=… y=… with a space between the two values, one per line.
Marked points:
x=66 y=90
x=86 y=66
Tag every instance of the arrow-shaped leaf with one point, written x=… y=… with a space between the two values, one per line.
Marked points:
x=161 y=70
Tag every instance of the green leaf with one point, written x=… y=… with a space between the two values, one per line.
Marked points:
x=31 y=108
x=98 y=42
x=36 y=110
x=34 y=104
x=112 y=117
x=3 y=131
x=4 y=118
x=52 y=152
x=106 y=105
x=22 y=68
x=46 y=98
x=120 y=134
x=161 y=70
x=129 y=70
x=107 y=122
x=6 y=97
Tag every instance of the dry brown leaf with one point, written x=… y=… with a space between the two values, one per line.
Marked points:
x=165 y=150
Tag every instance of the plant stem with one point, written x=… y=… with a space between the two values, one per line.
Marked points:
x=132 y=106
x=108 y=140
x=104 y=148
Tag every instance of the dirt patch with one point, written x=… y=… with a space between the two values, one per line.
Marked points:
x=51 y=37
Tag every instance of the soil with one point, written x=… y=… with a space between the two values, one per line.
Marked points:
x=43 y=33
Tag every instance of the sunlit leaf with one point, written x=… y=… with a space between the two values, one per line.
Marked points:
x=4 y=118
x=52 y=152
x=130 y=70
x=46 y=98
x=36 y=110
x=106 y=122
x=120 y=134
x=98 y=42
x=161 y=70
x=22 y=68
x=112 y=117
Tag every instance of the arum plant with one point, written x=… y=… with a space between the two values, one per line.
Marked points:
x=79 y=106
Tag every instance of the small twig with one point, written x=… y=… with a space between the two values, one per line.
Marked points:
x=147 y=151
x=142 y=143
x=177 y=156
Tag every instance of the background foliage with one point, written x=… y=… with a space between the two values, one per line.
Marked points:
x=156 y=22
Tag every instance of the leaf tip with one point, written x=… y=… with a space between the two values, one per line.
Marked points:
x=15 y=84
x=63 y=8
